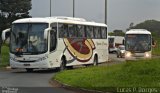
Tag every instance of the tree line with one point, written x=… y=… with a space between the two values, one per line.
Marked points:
x=151 y=25
x=11 y=10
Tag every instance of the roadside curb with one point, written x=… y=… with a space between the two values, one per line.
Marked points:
x=56 y=83
x=7 y=68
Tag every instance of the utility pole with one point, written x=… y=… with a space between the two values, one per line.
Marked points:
x=105 y=12
x=50 y=8
x=73 y=8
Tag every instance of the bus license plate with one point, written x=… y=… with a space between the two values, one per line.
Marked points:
x=26 y=64
x=19 y=58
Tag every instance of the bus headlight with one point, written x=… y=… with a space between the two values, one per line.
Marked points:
x=41 y=59
x=147 y=54
x=128 y=54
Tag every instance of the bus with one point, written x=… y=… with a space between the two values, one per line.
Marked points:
x=114 y=42
x=138 y=44
x=56 y=42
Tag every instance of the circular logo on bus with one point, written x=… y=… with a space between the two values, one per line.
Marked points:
x=81 y=49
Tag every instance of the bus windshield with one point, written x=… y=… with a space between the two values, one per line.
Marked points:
x=138 y=42
x=28 y=38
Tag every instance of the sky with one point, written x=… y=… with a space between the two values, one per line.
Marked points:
x=92 y=10
x=120 y=13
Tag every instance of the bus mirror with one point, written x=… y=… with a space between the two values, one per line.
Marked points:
x=46 y=32
x=6 y=34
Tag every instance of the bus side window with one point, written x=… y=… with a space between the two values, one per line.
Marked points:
x=96 y=31
x=99 y=33
x=80 y=30
x=71 y=30
x=104 y=32
x=89 y=32
x=53 y=40
x=63 y=30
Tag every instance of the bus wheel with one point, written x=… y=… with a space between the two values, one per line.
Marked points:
x=95 y=62
x=29 y=69
x=63 y=64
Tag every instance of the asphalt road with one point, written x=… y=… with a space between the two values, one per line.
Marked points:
x=114 y=58
x=20 y=81
x=35 y=82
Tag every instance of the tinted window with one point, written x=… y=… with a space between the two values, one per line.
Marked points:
x=53 y=40
x=104 y=32
x=63 y=30
x=81 y=32
x=89 y=32
x=97 y=32
x=71 y=31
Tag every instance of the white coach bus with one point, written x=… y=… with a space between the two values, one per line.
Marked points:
x=138 y=44
x=56 y=42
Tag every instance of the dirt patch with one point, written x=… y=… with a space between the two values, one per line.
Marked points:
x=56 y=83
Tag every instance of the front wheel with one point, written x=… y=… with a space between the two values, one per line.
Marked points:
x=95 y=62
x=63 y=65
x=117 y=56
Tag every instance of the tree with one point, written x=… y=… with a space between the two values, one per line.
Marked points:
x=131 y=25
x=11 y=10
x=150 y=25
x=118 y=33
x=14 y=9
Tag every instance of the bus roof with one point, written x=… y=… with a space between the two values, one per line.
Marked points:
x=69 y=20
x=138 y=31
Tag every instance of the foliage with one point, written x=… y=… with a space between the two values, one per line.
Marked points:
x=150 y=25
x=5 y=56
x=116 y=33
x=110 y=33
x=11 y=10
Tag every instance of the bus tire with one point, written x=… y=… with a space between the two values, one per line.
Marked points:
x=63 y=64
x=29 y=69
x=95 y=61
x=117 y=56
x=69 y=67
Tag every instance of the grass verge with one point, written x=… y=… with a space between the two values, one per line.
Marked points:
x=142 y=73
x=5 y=56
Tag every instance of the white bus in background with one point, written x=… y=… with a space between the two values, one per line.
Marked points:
x=138 y=44
x=56 y=42
x=114 y=42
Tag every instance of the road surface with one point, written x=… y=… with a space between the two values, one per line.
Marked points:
x=36 y=82
x=20 y=81
x=113 y=58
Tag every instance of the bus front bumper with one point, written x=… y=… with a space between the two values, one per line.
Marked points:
x=41 y=64
x=135 y=56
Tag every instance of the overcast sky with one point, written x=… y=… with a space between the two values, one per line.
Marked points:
x=92 y=10
x=120 y=13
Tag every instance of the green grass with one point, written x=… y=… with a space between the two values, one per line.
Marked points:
x=156 y=50
x=143 y=73
x=5 y=56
